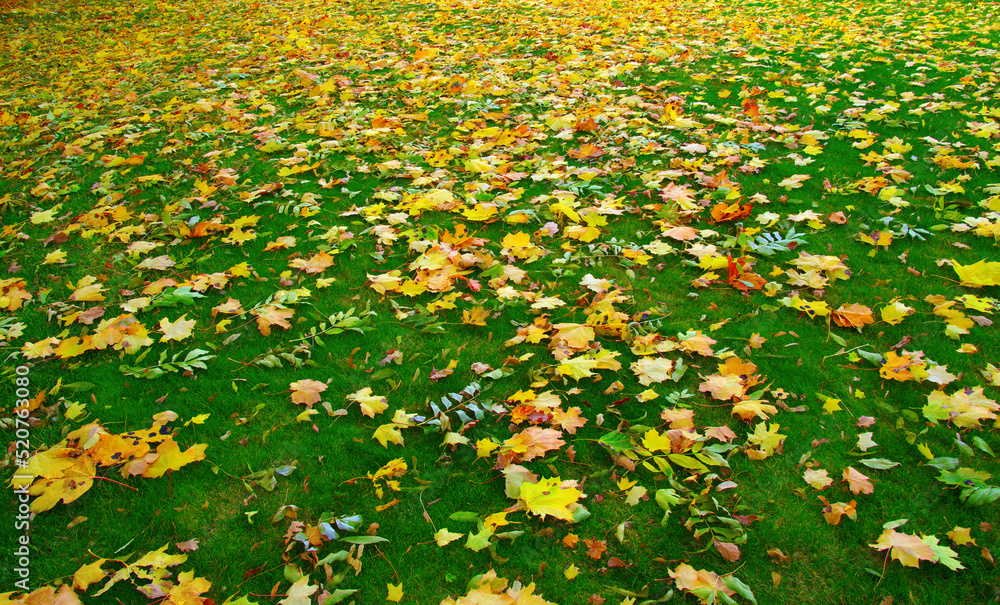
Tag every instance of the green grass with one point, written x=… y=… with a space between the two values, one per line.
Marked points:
x=200 y=88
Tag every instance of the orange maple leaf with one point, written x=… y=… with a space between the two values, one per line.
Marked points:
x=852 y=316
x=860 y=484
x=723 y=212
x=315 y=264
x=595 y=548
x=741 y=279
x=833 y=512
x=586 y=152
x=307 y=391
x=269 y=315
x=906 y=548
x=533 y=442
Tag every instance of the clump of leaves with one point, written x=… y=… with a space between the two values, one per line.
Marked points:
x=67 y=470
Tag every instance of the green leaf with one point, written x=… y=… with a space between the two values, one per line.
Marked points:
x=617 y=442
x=464 y=517
x=879 y=464
x=977 y=441
x=364 y=539
x=688 y=462
x=383 y=374
x=873 y=358
x=945 y=555
x=741 y=589
x=965 y=476
x=667 y=498
x=478 y=542
x=86 y=386
x=580 y=513
x=978 y=496
x=944 y=464
x=340 y=555
x=964 y=447
x=339 y=595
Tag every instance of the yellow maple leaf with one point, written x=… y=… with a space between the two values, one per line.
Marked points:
x=477 y=316
x=239 y=237
x=170 y=458
x=412 y=288
x=88 y=293
x=817 y=478
x=877 y=238
x=56 y=257
x=73 y=483
x=723 y=387
x=477 y=165
x=88 y=574
x=42 y=348
x=395 y=592
x=754 y=408
x=812 y=309
x=548 y=497
x=852 y=316
x=903 y=368
x=176 y=330
x=299 y=592
x=962 y=536
x=443 y=537
x=577 y=367
x=439 y=159
x=833 y=512
x=484 y=447
x=240 y=270
x=187 y=590
x=766 y=438
x=575 y=336
x=652 y=370
x=794 y=181
x=978 y=274
x=518 y=245
x=496 y=521
x=72 y=346
x=895 y=312
x=50 y=464
x=655 y=442
x=286 y=241
x=45 y=216
x=832 y=405
x=493 y=590
x=388 y=433
x=370 y=404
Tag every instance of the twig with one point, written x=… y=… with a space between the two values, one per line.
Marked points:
x=391 y=566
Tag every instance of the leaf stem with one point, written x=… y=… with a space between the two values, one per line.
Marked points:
x=135 y=489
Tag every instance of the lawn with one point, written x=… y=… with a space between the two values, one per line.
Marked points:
x=495 y=301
